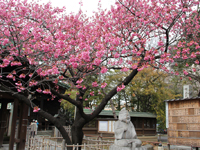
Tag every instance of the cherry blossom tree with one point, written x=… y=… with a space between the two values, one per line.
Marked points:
x=42 y=46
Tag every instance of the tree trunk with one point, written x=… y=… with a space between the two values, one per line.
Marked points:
x=77 y=129
x=77 y=134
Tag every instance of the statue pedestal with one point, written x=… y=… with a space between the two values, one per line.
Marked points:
x=116 y=147
x=145 y=147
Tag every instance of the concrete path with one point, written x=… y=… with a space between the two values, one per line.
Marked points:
x=145 y=138
x=175 y=147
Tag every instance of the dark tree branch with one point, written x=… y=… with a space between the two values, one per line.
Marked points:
x=111 y=94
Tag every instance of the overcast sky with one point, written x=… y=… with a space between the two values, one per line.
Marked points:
x=74 y=6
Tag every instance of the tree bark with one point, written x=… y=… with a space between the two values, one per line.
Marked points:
x=77 y=129
x=77 y=135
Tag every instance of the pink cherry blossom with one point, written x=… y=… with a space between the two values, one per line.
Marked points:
x=124 y=69
x=14 y=72
x=176 y=73
x=46 y=91
x=121 y=87
x=39 y=90
x=84 y=87
x=60 y=100
x=94 y=84
x=104 y=70
x=103 y=85
x=22 y=75
x=7 y=33
x=79 y=86
x=79 y=81
x=196 y=62
x=97 y=61
x=33 y=83
x=44 y=44
x=36 y=109
x=61 y=77
x=185 y=72
x=134 y=67
x=30 y=75
x=22 y=88
x=197 y=53
x=92 y=93
x=16 y=63
x=5 y=41
x=10 y=76
x=18 y=83
x=160 y=43
x=193 y=55
x=184 y=57
x=116 y=55
x=141 y=68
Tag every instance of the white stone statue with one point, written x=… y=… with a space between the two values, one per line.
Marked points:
x=125 y=135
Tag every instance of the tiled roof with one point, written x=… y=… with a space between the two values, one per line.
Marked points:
x=66 y=86
x=132 y=114
x=182 y=99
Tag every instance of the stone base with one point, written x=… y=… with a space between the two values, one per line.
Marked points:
x=115 y=147
x=148 y=147
x=145 y=147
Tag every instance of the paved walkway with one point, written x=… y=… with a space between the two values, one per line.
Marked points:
x=175 y=147
x=163 y=139
x=5 y=147
x=172 y=147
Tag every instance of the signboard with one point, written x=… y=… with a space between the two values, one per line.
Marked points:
x=106 y=126
x=187 y=91
x=103 y=126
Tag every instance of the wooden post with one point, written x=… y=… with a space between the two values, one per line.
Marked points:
x=3 y=118
x=47 y=144
x=43 y=148
x=63 y=144
x=23 y=122
x=28 y=143
x=14 y=119
x=168 y=146
x=55 y=144
x=10 y=119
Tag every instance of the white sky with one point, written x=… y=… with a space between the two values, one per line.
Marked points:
x=88 y=5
